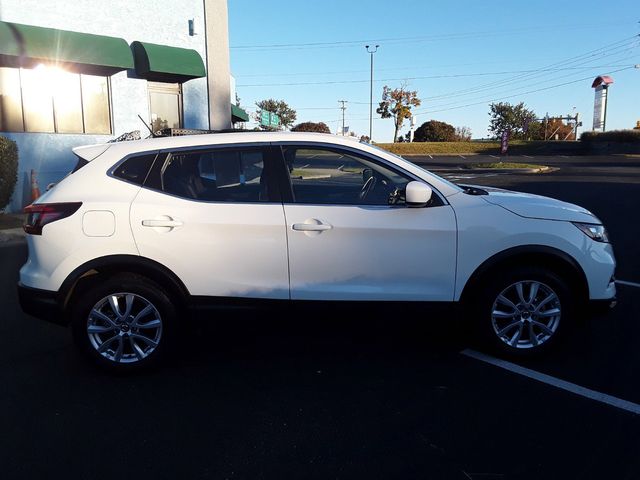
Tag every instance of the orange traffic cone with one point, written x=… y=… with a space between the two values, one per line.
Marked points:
x=35 y=190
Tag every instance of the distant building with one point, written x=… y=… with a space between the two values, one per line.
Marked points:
x=80 y=72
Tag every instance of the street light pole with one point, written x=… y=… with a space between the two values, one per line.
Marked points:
x=371 y=52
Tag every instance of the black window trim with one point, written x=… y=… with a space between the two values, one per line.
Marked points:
x=287 y=186
x=270 y=158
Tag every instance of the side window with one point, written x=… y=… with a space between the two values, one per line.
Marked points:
x=224 y=175
x=134 y=169
x=336 y=177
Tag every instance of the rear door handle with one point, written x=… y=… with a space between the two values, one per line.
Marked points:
x=169 y=223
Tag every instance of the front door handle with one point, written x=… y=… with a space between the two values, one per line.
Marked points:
x=311 y=225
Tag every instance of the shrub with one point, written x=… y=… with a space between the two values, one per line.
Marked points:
x=435 y=131
x=8 y=169
x=617 y=136
x=319 y=127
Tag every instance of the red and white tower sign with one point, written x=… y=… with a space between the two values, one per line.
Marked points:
x=601 y=84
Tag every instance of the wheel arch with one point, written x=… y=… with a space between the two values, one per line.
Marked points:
x=116 y=264
x=537 y=255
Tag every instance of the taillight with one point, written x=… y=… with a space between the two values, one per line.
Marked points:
x=40 y=214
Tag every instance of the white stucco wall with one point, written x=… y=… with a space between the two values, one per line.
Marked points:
x=156 y=21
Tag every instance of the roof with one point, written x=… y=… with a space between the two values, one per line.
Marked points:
x=602 y=80
x=119 y=150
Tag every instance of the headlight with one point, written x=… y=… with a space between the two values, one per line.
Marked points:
x=595 y=232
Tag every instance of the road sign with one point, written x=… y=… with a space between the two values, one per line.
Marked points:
x=265 y=118
x=269 y=119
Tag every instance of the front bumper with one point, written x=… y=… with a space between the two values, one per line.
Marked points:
x=42 y=304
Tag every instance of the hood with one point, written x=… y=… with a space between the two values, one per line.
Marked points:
x=537 y=206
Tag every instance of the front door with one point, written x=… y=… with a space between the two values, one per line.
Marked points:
x=352 y=238
x=214 y=217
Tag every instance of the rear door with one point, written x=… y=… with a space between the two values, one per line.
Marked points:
x=214 y=217
x=351 y=237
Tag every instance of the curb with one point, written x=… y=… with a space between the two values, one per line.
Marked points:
x=11 y=236
x=464 y=169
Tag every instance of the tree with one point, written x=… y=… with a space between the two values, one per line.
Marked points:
x=512 y=118
x=279 y=107
x=397 y=104
x=434 y=131
x=319 y=127
x=555 y=127
x=463 y=134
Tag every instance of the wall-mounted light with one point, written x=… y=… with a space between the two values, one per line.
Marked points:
x=192 y=27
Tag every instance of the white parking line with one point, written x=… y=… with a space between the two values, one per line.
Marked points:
x=527 y=156
x=494 y=156
x=628 y=284
x=555 y=382
x=430 y=157
x=462 y=157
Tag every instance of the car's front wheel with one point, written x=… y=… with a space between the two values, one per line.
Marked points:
x=526 y=310
x=124 y=323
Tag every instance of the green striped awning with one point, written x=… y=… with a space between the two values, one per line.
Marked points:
x=238 y=114
x=28 y=46
x=162 y=63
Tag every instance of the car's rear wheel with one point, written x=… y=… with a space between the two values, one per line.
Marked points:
x=525 y=311
x=123 y=323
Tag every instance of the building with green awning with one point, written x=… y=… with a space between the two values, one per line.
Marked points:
x=74 y=73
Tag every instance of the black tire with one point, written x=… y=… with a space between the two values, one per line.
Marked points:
x=525 y=325
x=94 y=293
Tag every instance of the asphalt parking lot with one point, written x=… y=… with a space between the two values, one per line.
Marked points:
x=357 y=394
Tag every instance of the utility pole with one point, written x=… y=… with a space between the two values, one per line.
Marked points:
x=343 y=108
x=371 y=52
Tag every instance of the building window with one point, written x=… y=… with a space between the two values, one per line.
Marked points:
x=51 y=100
x=165 y=102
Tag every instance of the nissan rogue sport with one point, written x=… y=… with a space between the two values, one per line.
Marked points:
x=143 y=231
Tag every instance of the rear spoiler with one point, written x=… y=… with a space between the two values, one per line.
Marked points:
x=90 y=152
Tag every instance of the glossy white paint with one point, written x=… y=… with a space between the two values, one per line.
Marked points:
x=417 y=194
x=372 y=253
x=304 y=251
x=219 y=249
x=485 y=229
x=537 y=206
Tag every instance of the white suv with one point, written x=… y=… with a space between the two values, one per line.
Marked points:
x=143 y=231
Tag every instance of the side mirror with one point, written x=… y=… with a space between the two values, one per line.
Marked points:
x=417 y=194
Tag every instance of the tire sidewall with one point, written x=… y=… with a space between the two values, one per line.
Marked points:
x=95 y=290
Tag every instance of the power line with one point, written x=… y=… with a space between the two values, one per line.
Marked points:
x=511 y=96
x=426 y=77
x=581 y=59
x=422 y=38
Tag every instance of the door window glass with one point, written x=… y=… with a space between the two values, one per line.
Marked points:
x=336 y=177
x=223 y=175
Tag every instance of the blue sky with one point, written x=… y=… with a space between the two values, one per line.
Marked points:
x=478 y=50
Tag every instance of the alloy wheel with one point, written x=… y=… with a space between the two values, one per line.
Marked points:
x=124 y=327
x=526 y=314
